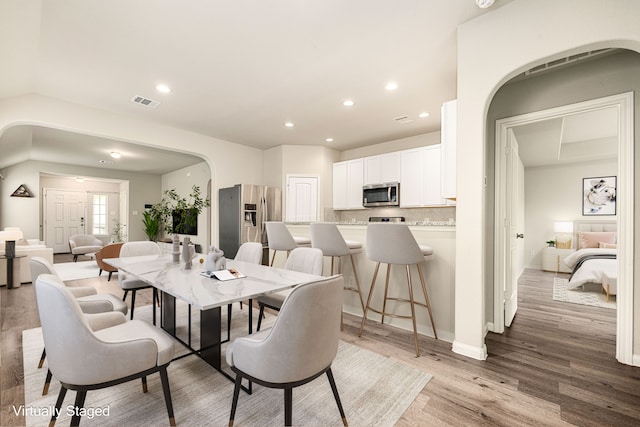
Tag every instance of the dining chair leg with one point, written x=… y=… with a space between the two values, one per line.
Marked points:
x=288 y=403
x=229 y=309
x=44 y=355
x=234 y=402
x=110 y=274
x=47 y=382
x=273 y=258
x=164 y=378
x=124 y=297
x=260 y=317
x=79 y=405
x=133 y=301
x=334 y=389
x=56 y=411
x=144 y=384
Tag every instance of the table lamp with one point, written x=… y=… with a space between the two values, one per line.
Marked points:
x=564 y=231
x=10 y=235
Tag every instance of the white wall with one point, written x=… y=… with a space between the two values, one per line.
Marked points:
x=555 y=194
x=492 y=49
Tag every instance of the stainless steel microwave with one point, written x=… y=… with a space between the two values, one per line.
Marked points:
x=387 y=194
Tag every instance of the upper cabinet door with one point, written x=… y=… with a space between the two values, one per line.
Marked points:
x=348 y=180
x=411 y=180
x=382 y=168
x=448 y=135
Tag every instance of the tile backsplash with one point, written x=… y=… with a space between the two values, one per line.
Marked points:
x=413 y=215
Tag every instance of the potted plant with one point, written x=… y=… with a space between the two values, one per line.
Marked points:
x=551 y=243
x=174 y=214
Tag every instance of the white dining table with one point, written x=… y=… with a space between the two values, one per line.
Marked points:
x=208 y=295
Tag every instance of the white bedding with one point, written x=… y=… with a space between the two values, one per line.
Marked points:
x=591 y=270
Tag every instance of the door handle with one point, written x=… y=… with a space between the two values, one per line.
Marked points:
x=519 y=236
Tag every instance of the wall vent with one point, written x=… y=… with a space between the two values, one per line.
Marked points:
x=145 y=101
x=403 y=120
x=566 y=61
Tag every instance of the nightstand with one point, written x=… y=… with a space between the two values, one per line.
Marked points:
x=552 y=259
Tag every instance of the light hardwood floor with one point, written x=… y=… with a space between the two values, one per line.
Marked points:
x=555 y=366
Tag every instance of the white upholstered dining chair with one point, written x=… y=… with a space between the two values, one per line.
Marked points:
x=83 y=359
x=248 y=252
x=303 y=260
x=128 y=283
x=299 y=347
x=91 y=303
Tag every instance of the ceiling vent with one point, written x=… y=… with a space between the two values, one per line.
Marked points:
x=566 y=61
x=403 y=120
x=145 y=101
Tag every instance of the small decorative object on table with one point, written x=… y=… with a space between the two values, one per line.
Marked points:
x=188 y=252
x=551 y=243
x=215 y=260
x=175 y=248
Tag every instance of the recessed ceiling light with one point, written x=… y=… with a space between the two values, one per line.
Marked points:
x=329 y=139
x=391 y=86
x=348 y=103
x=79 y=179
x=289 y=124
x=115 y=155
x=483 y=4
x=163 y=88
x=423 y=115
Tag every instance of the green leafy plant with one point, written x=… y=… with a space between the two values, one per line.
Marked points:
x=551 y=243
x=185 y=208
x=152 y=225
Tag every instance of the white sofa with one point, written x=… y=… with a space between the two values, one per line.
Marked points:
x=21 y=271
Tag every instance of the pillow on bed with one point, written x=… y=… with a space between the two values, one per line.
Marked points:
x=607 y=245
x=592 y=239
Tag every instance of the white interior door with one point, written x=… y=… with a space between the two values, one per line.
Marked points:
x=64 y=215
x=302 y=198
x=515 y=229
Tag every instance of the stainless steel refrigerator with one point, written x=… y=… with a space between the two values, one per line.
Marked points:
x=242 y=211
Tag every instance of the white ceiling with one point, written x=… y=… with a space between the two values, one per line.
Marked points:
x=579 y=137
x=240 y=69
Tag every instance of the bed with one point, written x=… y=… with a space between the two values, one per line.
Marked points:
x=595 y=257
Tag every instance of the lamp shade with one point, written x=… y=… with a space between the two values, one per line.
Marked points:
x=563 y=227
x=11 y=234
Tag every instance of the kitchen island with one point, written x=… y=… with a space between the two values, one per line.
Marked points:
x=439 y=275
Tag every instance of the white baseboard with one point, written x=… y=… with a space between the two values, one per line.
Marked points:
x=478 y=353
x=635 y=360
x=488 y=327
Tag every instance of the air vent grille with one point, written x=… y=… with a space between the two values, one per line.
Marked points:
x=565 y=61
x=403 y=120
x=145 y=101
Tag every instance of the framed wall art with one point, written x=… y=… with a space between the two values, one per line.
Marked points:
x=599 y=196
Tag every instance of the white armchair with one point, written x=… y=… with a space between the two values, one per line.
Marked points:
x=299 y=347
x=119 y=354
x=82 y=244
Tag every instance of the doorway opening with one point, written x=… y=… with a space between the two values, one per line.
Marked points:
x=505 y=278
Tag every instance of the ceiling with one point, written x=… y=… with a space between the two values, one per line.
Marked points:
x=579 y=137
x=238 y=70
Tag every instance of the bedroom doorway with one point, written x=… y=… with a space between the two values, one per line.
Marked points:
x=504 y=203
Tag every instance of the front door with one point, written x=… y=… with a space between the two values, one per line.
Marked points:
x=64 y=216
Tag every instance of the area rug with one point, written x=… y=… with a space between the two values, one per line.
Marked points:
x=591 y=294
x=77 y=270
x=375 y=391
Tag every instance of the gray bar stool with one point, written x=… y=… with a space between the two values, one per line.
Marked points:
x=327 y=237
x=280 y=239
x=394 y=244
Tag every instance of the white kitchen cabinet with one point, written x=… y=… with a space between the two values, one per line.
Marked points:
x=382 y=168
x=420 y=175
x=348 y=179
x=448 y=137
